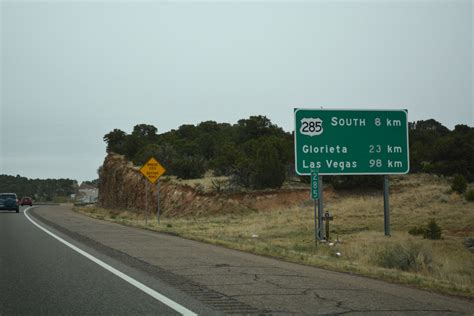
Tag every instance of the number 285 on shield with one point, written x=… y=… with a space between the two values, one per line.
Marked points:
x=311 y=126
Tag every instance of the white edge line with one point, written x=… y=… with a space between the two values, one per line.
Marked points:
x=163 y=299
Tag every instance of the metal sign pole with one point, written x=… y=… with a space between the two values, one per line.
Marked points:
x=152 y=170
x=327 y=225
x=315 y=195
x=386 y=206
x=158 y=201
x=320 y=209
x=316 y=238
x=146 y=202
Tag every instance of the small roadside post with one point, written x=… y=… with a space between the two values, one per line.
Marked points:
x=327 y=217
x=153 y=170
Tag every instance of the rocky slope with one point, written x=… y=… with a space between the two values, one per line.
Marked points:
x=123 y=187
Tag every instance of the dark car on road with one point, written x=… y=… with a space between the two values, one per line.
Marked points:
x=9 y=201
x=26 y=200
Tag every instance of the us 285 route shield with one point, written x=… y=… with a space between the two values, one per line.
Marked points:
x=344 y=142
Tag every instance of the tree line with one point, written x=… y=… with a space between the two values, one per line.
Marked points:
x=39 y=189
x=255 y=153
x=436 y=149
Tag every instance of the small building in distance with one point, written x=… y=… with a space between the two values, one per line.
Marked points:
x=87 y=193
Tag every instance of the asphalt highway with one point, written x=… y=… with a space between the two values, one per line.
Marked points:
x=54 y=261
x=40 y=275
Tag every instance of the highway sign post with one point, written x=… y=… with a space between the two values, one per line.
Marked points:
x=386 y=207
x=352 y=142
x=315 y=195
x=153 y=170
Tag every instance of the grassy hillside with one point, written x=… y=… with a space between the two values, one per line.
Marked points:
x=284 y=228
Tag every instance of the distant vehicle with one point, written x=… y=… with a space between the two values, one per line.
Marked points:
x=9 y=201
x=26 y=201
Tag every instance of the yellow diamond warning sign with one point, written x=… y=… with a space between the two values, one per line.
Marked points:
x=152 y=170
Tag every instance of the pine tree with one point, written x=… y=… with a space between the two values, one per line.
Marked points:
x=269 y=171
x=433 y=231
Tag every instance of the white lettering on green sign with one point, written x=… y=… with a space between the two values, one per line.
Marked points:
x=351 y=141
x=314 y=185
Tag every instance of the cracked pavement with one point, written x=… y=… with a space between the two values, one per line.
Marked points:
x=234 y=282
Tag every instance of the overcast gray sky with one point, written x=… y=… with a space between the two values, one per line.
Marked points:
x=73 y=71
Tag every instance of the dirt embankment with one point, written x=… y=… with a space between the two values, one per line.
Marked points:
x=123 y=187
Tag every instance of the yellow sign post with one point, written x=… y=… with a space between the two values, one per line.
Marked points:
x=152 y=170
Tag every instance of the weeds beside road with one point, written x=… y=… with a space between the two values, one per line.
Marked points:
x=357 y=241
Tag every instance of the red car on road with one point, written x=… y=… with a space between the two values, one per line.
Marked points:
x=26 y=201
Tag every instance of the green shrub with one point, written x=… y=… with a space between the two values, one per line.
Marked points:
x=144 y=154
x=259 y=166
x=416 y=231
x=432 y=231
x=459 y=184
x=189 y=167
x=269 y=171
x=469 y=195
x=406 y=257
x=469 y=242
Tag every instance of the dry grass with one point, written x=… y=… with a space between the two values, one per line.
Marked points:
x=210 y=183
x=207 y=184
x=288 y=233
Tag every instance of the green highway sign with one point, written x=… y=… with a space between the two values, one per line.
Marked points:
x=345 y=142
x=314 y=185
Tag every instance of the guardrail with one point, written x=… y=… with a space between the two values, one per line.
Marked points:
x=84 y=203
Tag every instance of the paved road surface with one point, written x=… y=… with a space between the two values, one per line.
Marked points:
x=39 y=274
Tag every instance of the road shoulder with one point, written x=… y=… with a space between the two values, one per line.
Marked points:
x=231 y=281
